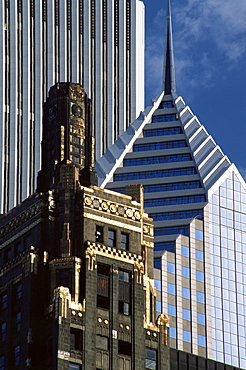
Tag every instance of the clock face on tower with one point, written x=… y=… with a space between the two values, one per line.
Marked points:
x=76 y=110
x=52 y=112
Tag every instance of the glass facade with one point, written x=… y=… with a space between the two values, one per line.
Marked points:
x=162 y=131
x=157 y=160
x=154 y=174
x=228 y=276
x=159 y=146
x=165 y=118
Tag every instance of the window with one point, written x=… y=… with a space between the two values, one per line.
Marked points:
x=124 y=241
x=18 y=321
x=171 y=267
x=4 y=331
x=103 y=286
x=173 y=201
x=75 y=339
x=172 y=332
x=186 y=314
x=166 y=104
x=112 y=238
x=176 y=215
x=186 y=293
x=17 y=355
x=124 y=293
x=171 y=310
x=99 y=234
x=151 y=359
x=185 y=272
x=199 y=255
x=2 y=363
x=200 y=297
x=201 y=318
x=19 y=291
x=171 y=288
x=166 y=118
x=4 y=301
x=158 y=306
x=162 y=131
x=199 y=234
x=183 y=230
x=157 y=160
x=73 y=366
x=165 y=187
x=165 y=247
x=154 y=174
x=187 y=336
x=185 y=251
x=157 y=284
x=159 y=146
x=124 y=348
x=201 y=339
x=17 y=248
x=200 y=276
x=157 y=263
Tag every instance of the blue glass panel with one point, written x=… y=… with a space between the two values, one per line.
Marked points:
x=166 y=118
x=163 y=132
x=173 y=201
x=159 y=146
x=166 y=104
x=185 y=272
x=171 y=267
x=187 y=336
x=157 y=284
x=200 y=276
x=199 y=234
x=186 y=314
x=201 y=339
x=201 y=318
x=171 y=309
x=199 y=255
x=157 y=160
x=185 y=251
x=175 y=215
x=171 y=288
x=73 y=366
x=154 y=174
x=157 y=263
x=158 y=306
x=186 y=293
x=165 y=247
x=172 y=332
x=183 y=230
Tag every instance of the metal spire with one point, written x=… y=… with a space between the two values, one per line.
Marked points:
x=169 y=70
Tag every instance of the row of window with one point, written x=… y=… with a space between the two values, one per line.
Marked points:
x=164 y=118
x=17 y=327
x=165 y=104
x=186 y=314
x=201 y=339
x=175 y=215
x=16 y=358
x=186 y=293
x=17 y=294
x=185 y=271
x=185 y=251
x=166 y=187
x=159 y=146
x=183 y=230
x=157 y=160
x=154 y=174
x=10 y=252
x=112 y=238
x=173 y=201
x=163 y=131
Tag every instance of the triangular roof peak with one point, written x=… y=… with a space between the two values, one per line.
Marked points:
x=169 y=70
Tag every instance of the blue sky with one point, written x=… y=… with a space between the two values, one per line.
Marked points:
x=210 y=61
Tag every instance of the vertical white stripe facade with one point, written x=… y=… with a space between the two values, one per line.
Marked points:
x=42 y=43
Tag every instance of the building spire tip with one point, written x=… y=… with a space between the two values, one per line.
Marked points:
x=169 y=70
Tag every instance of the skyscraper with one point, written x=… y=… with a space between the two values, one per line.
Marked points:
x=99 y=44
x=197 y=199
x=77 y=289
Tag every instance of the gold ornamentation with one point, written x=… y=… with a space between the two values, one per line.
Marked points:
x=91 y=258
x=129 y=212
x=104 y=206
x=113 y=208
x=88 y=201
x=137 y=215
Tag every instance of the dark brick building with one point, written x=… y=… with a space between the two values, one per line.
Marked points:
x=77 y=288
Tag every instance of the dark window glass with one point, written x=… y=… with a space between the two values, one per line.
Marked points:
x=173 y=201
x=163 y=132
x=165 y=247
x=103 y=286
x=4 y=301
x=166 y=118
x=99 y=234
x=175 y=215
x=124 y=241
x=112 y=238
x=18 y=248
x=124 y=348
x=154 y=174
x=159 y=146
x=19 y=291
x=124 y=293
x=151 y=359
x=76 y=339
x=157 y=263
x=166 y=187
x=17 y=355
x=2 y=363
x=183 y=230
x=18 y=321
x=74 y=366
x=157 y=160
x=166 y=104
x=3 y=331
